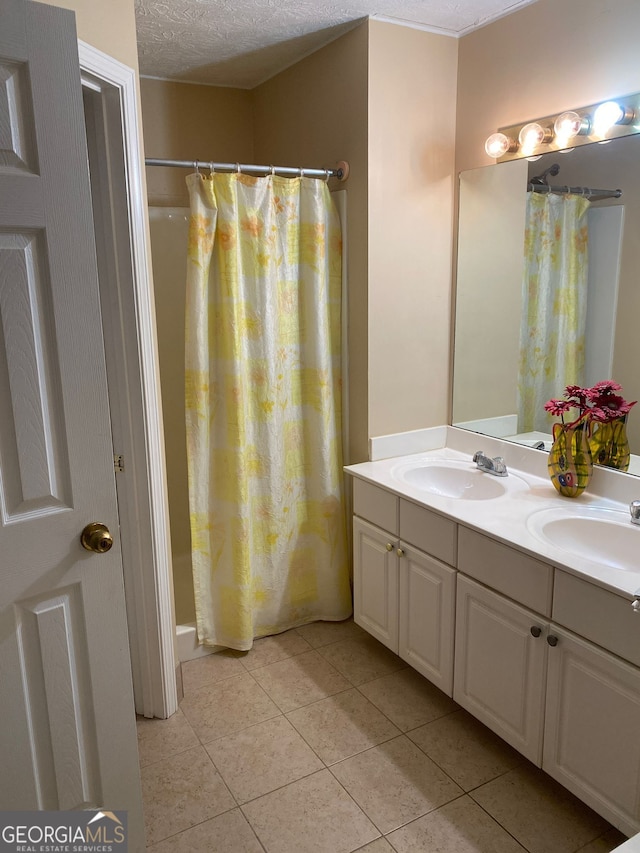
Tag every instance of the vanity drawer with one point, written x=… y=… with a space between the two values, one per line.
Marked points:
x=428 y=531
x=377 y=505
x=516 y=575
x=598 y=615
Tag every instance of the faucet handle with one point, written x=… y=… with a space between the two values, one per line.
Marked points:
x=478 y=455
x=634 y=509
x=499 y=465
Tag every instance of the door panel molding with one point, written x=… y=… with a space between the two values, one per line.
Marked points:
x=56 y=676
x=34 y=457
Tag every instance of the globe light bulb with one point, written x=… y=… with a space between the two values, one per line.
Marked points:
x=532 y=135
x=606 y=116
x=568 y=125
x=497 y=145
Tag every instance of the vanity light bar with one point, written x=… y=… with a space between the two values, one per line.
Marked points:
x=569 y=129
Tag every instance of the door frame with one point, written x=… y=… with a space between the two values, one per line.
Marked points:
x=134 y=392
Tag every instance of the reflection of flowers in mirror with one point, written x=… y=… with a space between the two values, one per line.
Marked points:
x=602 y=412
x=601 y=403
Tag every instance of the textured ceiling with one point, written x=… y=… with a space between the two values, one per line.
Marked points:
x=244 y=42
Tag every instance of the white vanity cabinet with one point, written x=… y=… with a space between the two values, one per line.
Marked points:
x=375 y=582
x=500 y=659
x=427 y=616
x=404 y=596
x=545 y=658
x=592 y=719
x=501 y=666
x=592 y=728
x=568 y=705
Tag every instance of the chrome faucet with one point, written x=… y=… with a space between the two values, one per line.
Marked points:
x=497 y=466
x=634 y=509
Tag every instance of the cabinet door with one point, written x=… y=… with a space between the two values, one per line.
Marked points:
x=427 y=616
x=592 y=728
x=375 y=582
x=500 y=667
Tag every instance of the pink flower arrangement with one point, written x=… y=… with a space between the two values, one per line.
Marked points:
x=601 y=403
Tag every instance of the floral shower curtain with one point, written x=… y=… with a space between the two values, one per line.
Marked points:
x=263 y=407
x=552 y=334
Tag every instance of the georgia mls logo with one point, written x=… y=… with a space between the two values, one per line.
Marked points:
x=63 y=832
x=101 y=833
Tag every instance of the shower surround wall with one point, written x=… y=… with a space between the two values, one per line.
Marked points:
x=182 y=121
x=169 y=231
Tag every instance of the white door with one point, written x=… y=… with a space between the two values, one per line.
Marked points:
x=67 y=737
x=592 y=736
x=500 y=666
x=375 y=582
x=427 y=616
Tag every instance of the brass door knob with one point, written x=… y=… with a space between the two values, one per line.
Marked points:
x=96 y=537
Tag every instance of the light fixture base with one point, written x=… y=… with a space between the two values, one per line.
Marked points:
x=627 y=125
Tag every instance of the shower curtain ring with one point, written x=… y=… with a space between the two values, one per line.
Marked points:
x=196 y=167
x=327 y=175
x=301 y=172
x=238 y=169
x=273 y=171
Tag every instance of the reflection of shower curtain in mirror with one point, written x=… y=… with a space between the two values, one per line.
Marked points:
x=554 y=292
x=263 y=407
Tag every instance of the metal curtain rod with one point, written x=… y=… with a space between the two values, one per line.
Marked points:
x=584 y=191
x=341 y=173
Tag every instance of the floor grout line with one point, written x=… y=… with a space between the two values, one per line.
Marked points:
x=280 y=712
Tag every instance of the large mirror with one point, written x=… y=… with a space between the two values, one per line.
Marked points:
x=489 y=292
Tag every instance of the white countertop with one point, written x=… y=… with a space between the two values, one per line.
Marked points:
x=509 y=518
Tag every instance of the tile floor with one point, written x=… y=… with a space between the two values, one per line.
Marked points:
x=320 y=740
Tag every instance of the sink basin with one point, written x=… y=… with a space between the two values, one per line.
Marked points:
x=604 y=536
x=451 y=479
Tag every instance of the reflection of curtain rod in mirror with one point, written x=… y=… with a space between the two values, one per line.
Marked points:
x=584 y=191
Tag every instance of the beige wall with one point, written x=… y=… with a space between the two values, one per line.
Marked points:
x=108 y=25
x=183 y=121
x=315 y=114
x=548 y=57
x=412 y=98
x=381 y=97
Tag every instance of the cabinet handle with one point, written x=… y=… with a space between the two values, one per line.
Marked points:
x=536 y=631
x=553 y=641
x=635 y=605
x=389 y=546
x=400 y=552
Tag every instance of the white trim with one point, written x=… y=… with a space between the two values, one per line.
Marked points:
x=188 y=646
x=404 y=443
x=490 y=19
x=153 y=635
x=500 y=426
x=457 y=34
x=416 y=25
x=188 y=82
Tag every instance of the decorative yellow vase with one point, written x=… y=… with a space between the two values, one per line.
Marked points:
x=610 y=446
x=570 y=464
